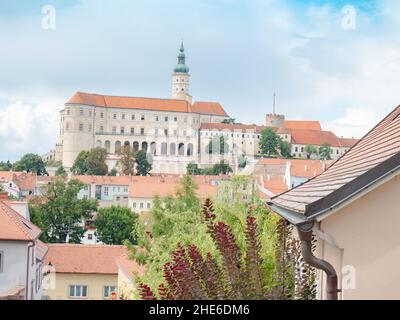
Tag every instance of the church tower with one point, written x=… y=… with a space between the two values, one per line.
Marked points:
x=181 y=78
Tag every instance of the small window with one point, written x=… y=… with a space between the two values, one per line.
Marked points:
x=141 y=205
x=123 y=116
x=156 y=118
x=108 y=290
x=68 y=112
x=81 y=112
x=122 y=130
x=78 y=291
x=133 y=117
x=90 y=236
x=142 y=131
x=148 y=205
x=142 y=117
x=132 y=130
x=81 y=127
x=102 y=115
x=175 y=119
x=114 y=130
x=106 y=191
x=134 y=205
x=114 y=116
x=166 y=119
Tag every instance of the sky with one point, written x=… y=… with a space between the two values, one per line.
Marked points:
x=325 y=60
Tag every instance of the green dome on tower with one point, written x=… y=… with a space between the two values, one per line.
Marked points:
x=181 y=66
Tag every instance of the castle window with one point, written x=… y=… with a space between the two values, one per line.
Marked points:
x=142 y=131
x=101 y=129
x=165 y=132
x=166 y=119
x=81 y=112
x=81 y=127
x=123 y=116
x=102 y=115
x=175 y=119
x=132 y=130
x=142 y=117
x=114 y=130
x=133 y=117
x=156 y=118
x=115 y=116
x=122 y=130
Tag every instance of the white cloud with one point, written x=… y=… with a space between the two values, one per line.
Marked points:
x=28 y=128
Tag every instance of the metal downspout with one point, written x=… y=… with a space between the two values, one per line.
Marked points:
x=305 y=235
x=31 y=245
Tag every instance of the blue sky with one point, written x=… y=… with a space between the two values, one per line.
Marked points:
x=239 y=52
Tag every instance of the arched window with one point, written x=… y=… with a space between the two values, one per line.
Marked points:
x=145 y=146
x=107 y=145
x=98 y=144
x=126 y=143
x=172 y=149
x=189 y=150
x=135 y=146
x=164 y=147
x=181 y=149
x=153 y=148
x=117 y=146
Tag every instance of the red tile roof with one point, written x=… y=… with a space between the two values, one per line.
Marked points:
x=314 y=137
x=129 y=266
x=347 y=142
x=15 y=227
x=302 y=125
x=172 y=105
x=364 y=163
x=84 y=259
x=25 y=181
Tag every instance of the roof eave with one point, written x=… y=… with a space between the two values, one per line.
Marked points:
x=293 y=217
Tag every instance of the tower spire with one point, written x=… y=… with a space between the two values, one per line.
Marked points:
x=181 y=77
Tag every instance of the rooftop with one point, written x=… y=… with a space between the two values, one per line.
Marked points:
x=172 y=105
x=84 y=259
x=372 y=158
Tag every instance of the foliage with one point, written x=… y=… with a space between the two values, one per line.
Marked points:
x=53 y=163
x=30 y=163
x=113 y=172
x=325 y=151
x=269 y=142
x=5 y=166
x=115 y=225
x=285 y=149
x=79 y=165
x=242 y=162
x=127 y=160
x=192 y=169
x=59 y=212
x=143 y=167
x=229 y=121
x=60 y=172
x=311 y=150
x=218 y=145
x=217 y=169
x=96 y=162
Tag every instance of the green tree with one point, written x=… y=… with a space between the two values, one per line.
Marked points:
x=242 y=162
x=325 y=151
x=59 y=212
x=96 y=162
x=113 y=172
x=285 y=149
x=310 y=150
x=229 y=121
x=79 y=166
x=115 y=225
x=222 y=168
x=5 y=166
x=127 y=160
x=192 y=169
x=143 y=167
x=31 y=163
x=269 y=142
x=60 y=172
x=218 y=145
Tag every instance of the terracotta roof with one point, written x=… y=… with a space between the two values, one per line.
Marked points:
x=85 y=259
x=25 y=181
x=374 y=156
x=275 y=184
x=302 y=125
x=149 y=187
x=347 y=142
x=308 y=168
x=15 y=227
x=209 y=108
x=105 y=180
x=314 y=137
x=130 y=267
x=41 y=250
x=172 y=105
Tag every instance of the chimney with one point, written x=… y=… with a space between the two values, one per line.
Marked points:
x=3 y=195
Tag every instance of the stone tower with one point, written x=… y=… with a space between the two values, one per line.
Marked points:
x=181 y=78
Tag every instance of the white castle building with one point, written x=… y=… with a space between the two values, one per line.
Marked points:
x=173 y=131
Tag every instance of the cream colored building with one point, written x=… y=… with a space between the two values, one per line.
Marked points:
x=82 y=272
x=353 y=210
x=165 y=128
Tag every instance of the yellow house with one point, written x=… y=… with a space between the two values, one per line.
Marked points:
x=353 y=210
x=82 y=272
x=127 y=270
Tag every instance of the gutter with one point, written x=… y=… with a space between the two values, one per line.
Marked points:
x=31 y=244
